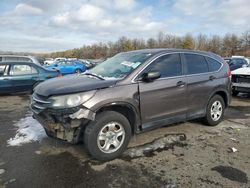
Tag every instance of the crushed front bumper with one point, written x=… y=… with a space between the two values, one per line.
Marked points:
x=66 y=124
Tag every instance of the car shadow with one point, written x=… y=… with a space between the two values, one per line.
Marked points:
x=237 y=112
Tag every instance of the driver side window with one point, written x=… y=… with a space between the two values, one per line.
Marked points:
x=168 y=66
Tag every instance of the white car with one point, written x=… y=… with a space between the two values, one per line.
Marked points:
x=48 y=61
x=241 y=80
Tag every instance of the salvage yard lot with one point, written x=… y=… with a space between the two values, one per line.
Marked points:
x=182 y=155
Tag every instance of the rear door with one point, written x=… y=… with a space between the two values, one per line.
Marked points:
x=5 y=81
x=200 y=83
x=163 y=101
x=23 y=76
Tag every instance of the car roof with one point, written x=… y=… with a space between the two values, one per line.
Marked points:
x=17 y=62
x=156 y=51
x=20 y=62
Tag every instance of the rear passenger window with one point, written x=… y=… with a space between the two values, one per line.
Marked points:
x=213 y=64
x=195 y=64
x=22 y=70
x=167 y=65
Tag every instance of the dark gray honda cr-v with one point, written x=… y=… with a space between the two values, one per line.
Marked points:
x=130 y=93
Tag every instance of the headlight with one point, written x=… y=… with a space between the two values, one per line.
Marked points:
x=72 y=100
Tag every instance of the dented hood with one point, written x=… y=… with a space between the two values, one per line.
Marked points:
x=71 y=84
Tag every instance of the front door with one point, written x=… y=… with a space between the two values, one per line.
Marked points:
x=163 y=101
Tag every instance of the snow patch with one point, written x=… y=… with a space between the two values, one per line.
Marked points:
x=29 y=130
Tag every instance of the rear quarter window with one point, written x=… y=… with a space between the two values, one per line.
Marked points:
x=196 y=64
x=213 y=64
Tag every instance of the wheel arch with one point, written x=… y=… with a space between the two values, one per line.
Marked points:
x=224 y=94
x=126 y=109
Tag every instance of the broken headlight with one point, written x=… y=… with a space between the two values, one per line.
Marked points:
x=72 y=100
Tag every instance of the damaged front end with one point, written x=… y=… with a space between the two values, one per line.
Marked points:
x=64 y=123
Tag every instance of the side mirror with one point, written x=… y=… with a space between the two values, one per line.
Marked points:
x=244 y=66
x=151 y=76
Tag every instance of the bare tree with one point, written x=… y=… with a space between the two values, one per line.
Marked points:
x=227 y=45
x=245 y=40
x=201 y=42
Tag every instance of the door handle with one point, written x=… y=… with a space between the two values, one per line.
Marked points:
x=180 y=84
x=6 y=79
x=212 y=78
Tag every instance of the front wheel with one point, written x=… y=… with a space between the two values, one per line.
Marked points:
x=78 y=71
x=215 y=110
x=108 y=136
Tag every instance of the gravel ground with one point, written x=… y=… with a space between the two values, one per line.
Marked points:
x=181 y=155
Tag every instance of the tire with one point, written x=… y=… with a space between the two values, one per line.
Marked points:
x=234 y=92
x=212 y=118
x=103 y=132
x=78 y=71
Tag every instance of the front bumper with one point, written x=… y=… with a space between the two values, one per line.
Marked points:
x=241 y=83
x=66 y=124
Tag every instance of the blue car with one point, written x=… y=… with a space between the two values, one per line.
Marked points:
x=22 y=76
x=68 y=67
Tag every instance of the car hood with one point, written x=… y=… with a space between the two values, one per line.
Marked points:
x=71 y=84
x=242 y=71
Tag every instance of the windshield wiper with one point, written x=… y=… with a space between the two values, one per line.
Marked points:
x=91 y=74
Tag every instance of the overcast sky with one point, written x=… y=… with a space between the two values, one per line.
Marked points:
x=52 y=25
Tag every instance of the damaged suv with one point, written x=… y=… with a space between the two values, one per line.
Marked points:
x=130 y=93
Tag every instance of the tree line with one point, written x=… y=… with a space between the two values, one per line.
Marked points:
x=226 y=46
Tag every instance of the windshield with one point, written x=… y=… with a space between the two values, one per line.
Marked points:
x=120 y=65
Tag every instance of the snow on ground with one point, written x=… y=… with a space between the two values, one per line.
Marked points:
x=28 y=130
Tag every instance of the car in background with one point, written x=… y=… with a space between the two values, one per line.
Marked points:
x=236 y=62
x=243 y=57
x=60 y=59
x=68 y=67
x=18 y=58
x=22 y=76
x=241 y=80
x=87 y=63
x=48 y=61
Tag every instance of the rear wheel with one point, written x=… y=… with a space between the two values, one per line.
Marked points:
x=215 y=110
x=108 y=136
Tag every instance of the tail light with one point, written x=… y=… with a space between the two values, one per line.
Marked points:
x=229 y=73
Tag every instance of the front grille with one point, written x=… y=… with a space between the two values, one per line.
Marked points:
x=241 y=78
x=39 y=103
